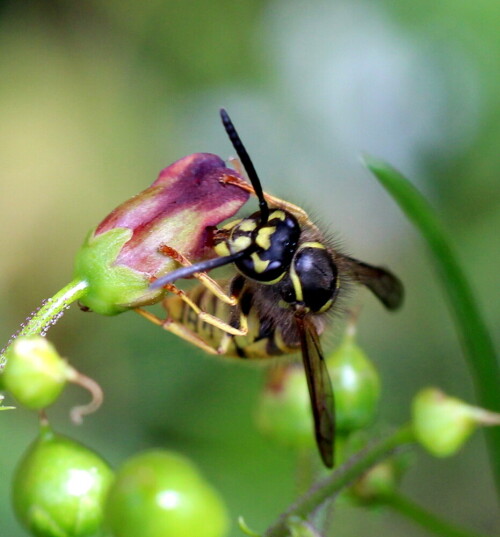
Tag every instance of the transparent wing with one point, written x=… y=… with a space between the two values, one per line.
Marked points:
x=320 y=388
x=382 y=283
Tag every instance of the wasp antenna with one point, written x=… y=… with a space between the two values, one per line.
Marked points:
x=247 y=163
x=204 y=266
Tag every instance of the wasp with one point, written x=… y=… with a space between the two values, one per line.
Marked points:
x=288 y=278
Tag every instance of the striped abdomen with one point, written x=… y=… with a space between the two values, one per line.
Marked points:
x=271 y=328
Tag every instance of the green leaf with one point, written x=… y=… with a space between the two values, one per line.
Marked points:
x=472 y=330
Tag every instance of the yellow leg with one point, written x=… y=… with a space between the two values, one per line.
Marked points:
x=227 y=338
x=178 y=329
x=202 y=277
x=207 y=317
x=298 y=212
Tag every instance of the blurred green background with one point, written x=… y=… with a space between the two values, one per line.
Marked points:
x=96 y=97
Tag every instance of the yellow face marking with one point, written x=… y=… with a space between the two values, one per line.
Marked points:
x=263 y=238
x=247 y=225
x=241 y=243
x=312 y=245
x=277 y=213
x=297 y=286
x=259 y=265
x=222 y=249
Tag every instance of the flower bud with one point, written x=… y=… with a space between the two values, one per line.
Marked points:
x=442 y=424
x=59 y=488
x=382 y=480
x=377 y=483
x=299 y=527
x=356 y=385
x=161 y=493
x=35 y=374
x=122 y=255
x=284 y=410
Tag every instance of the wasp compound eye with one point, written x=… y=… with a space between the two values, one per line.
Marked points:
x=317 y=276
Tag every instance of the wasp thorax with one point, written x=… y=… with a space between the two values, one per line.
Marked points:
x=313 y=278
x=272 y=245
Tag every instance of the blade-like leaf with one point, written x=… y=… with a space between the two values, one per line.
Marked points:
x=471 y=328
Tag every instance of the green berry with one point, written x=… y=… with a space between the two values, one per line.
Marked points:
x=356 y=385
x=377 y=483
x=160 y=494
x=284 y=409
x=59 y=488
x=442 y=424
x=382 y=480
x=35 y=374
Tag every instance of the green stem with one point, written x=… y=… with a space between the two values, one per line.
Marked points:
x=49 y=313
x=471 y=328
x=339 y=479
x=427 y=520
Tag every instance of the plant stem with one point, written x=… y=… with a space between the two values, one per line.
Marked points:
x=49 y=313
x=471 y=328
x=427 y=520
x=340 y=479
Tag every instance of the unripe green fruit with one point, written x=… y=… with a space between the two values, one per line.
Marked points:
x=377 y=483
x=356 y=386
x=161 y=494
x=35 y=374
x=59 y=488
x=284 y=409
x=442 y=424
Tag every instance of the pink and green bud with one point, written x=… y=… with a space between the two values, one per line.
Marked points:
x=121 y=257
x=442 y=424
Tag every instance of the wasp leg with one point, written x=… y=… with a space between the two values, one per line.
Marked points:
x=298 y=212
x=178 y=329
x=238 y=317
x=202 y=277
x=188 y=335
x=205 y=317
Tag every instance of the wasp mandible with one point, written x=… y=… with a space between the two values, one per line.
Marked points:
x=288 y=278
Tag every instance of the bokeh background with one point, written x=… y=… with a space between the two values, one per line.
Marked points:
x=96 y=97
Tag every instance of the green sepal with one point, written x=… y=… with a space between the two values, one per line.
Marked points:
x=112 y=289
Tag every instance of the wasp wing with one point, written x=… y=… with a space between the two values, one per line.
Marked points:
x=320 y=388
x=382 y=283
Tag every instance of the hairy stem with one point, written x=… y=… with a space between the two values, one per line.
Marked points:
x=339 y=479
x=49 y=313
